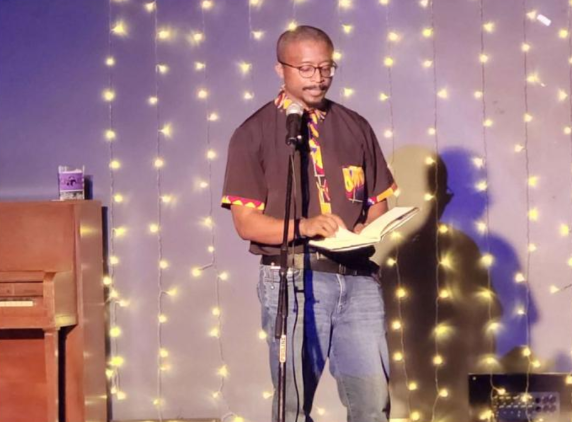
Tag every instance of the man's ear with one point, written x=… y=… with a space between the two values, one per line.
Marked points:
x=279 y=70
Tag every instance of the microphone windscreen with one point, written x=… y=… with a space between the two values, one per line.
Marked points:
x=294 y=108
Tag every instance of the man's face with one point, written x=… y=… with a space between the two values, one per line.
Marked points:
x=309 y=92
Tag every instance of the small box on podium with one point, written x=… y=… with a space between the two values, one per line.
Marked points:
x=71 y=183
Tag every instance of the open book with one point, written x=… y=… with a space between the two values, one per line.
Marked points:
x=345 y=240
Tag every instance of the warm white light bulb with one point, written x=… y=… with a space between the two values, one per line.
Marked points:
x=119 y=29
x=533 y=214
x=115 y=331
x=489 y=27
x=197 y=37
x=202 y=94
x=110 y=135
x=108 y=95
x=393 y=36
x=223 y=371
x=245 y=67
x=487 y=260
x=164 y=34
x=115 y=165
x=257 y=35
x=348 y=29
x=166 y=130
x=519 y=277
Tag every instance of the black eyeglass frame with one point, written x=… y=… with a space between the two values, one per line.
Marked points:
x=333 y=66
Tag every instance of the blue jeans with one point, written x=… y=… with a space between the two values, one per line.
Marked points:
x=330 y=316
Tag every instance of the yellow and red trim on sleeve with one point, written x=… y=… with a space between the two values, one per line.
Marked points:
x=229 y=200
x=383 y=195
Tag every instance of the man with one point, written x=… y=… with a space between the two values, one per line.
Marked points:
x=335 y=306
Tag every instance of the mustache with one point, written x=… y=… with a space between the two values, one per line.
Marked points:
x=320 y=87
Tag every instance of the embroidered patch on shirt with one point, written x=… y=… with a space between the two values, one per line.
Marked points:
x=354 y=179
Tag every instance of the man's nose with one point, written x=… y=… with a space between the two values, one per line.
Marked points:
x=317 y=76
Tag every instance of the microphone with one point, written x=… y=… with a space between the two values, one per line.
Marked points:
x=293 y=124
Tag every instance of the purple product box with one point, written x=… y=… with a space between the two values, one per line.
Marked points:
x=71 y=183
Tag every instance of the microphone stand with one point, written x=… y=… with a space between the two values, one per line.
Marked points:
x=282 y=312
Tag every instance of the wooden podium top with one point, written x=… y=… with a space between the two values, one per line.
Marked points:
x=41 y=235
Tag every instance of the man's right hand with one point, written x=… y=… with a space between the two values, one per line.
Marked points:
x=325 y=225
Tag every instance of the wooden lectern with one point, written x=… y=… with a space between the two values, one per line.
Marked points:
x=52 y=324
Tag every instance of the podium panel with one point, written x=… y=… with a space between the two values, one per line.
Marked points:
x=52 y=320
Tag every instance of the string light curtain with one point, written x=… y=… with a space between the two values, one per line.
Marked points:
x=174 y=79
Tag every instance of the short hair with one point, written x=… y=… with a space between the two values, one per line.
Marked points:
x=301 y=33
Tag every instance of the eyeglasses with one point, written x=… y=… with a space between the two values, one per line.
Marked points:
x=307 y=70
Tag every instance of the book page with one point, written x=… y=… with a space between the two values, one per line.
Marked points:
x=392 y=219
x=345 y=240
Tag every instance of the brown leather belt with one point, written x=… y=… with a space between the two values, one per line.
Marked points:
x=316 y=262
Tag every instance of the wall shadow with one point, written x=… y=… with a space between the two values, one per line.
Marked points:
x=446 y=280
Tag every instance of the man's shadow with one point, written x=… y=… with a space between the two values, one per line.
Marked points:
x=446 y=284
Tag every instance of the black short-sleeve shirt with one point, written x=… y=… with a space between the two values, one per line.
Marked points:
x=257 y=164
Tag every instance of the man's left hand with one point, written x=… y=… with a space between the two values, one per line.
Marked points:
x=358 y=228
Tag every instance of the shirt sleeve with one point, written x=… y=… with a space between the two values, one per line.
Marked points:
x=378 y=178
x=244 y=182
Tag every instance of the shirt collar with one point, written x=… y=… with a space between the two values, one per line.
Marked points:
x=283 y=101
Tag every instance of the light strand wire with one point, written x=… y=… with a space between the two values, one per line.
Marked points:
x=484 y=145
x=569 y=26
x=527 y=169
x=388 y=22
x=160 y=136
x=436 y=199
x=114 y=378
x=219 y=394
